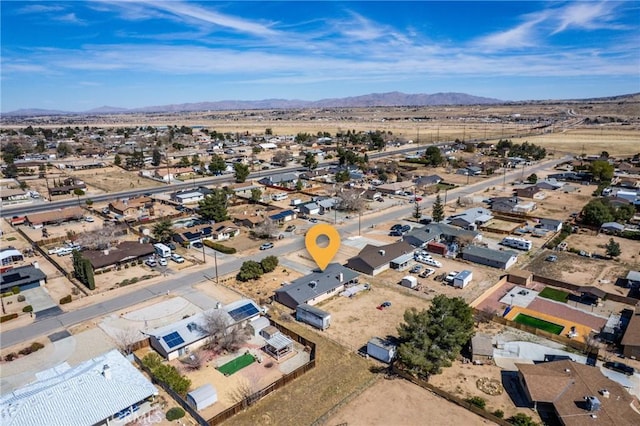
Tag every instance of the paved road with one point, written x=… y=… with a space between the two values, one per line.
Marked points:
x=229 y=264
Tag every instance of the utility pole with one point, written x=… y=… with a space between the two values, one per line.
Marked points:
x=359 y=222
x=215 y=261
x=204 y=257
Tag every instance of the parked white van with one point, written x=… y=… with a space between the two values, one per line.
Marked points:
x=517 y=243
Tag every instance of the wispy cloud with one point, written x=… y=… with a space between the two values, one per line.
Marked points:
x=69 y=18
x=39 y=8
x=587 y=15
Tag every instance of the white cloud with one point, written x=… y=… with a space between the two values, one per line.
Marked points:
x=69 y=18
x=40 y=8
x=589 y=16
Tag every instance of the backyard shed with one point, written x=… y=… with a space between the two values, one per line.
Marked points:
x=313 y=316
x=435 y=247
x=279 y=345
x=481 y=348
x=462 y=279
x=381 y=349
x=409 y=282
x=258 y=324
x=269 y=332
x=202 y=397
x=520 y=277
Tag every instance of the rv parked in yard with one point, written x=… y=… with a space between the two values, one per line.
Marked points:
x=162 y=250
x=517 y=243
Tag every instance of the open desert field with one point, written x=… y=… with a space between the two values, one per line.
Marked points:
x=113 y=179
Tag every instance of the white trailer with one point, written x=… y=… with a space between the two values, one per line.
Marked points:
x=462 y=279
x=409 y=282
x=381 y=349
x=162 y=250
x=313 y=316
x=517 y=243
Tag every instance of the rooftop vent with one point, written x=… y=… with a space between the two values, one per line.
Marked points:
x=382 y=252
x=106 y=371
x=313 y=284
x=566 y=370
x=604 y=393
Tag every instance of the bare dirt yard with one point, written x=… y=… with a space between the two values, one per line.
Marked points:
x=112 y=179
x=400 y=402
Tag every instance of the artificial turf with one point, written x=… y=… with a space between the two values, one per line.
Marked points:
x=553 y=294
x=539 y=323
x=236 y=364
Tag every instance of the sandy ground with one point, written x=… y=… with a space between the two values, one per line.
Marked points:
x=112 y=179
x=399 y=402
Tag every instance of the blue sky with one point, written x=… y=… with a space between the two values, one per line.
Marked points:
x=78 y=55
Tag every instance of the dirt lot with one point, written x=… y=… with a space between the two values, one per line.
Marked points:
x=399 y=402
x=112 y=179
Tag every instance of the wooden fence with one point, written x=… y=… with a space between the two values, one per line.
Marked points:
x=574 y=287
x=449 y=397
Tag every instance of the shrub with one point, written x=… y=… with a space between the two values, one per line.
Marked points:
x=8 y=317
x=15 y=289
x=250 y=270
x=126 y=266
x=7 y=294
x=219 y=247
x=133 y=280
x=166 y=373
x=66 y=299
x=521 y=419
x=477 y=401
x=499 y=414
x=97 y=272
x=139 y=262
x=27 y=308
x=175 y=413
x=10 y=356
x=36 y=346
x=269 y=263
x=21 y=298
x=124 y=282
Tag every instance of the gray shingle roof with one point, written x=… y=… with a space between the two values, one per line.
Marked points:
x=318 y=282
x=487 y=253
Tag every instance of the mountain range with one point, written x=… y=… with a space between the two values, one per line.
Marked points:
x=370 y=100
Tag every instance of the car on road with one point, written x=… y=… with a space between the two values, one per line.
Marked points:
x=619 y=367
x=266 y=246
x=395 y=233
x=396 y=227
x=290 y=228
x=89 y=219
x=313 y=220
x=416 y=269
x=418 y=199
x=163 y=262
x=197 y=245
x=151 y=262
x=427 y=273
x=177 y=258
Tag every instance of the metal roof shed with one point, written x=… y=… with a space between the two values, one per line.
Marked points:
x=202 y=397
x=279 y=345
x=462 y=279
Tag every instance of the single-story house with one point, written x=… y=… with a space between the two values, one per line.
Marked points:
x=202 y=397
x=195 y=234
x=224 y=230
x=190 y=196
x=280 y=216
x=373 y=260
x=284 y=180
x=427 y=181
x=633 y=279
x=471 y=218
x=328 y=204
x=577 y=394
x=611 y=227
x=244 y=188
x=25 y=277
x=67 y=188
x=419 y=237
x=116 y=389
x=131 y=206
x=552 y=225
x=126 y=251
x=395 y=188
x=250 y=221
x=504 y=204
x=502 y=259
x=372 y=194
x=631 y=338
x=309 y=208
x=38 y=220
x=549 y=184
x=481 y=347
x=15 y=194
x=9 y=255
x=528 y=192
x=381 y=349
x=316 y=286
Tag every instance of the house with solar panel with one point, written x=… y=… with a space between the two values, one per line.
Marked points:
x=182 y=337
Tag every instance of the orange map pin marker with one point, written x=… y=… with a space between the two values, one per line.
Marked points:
x=322 y=255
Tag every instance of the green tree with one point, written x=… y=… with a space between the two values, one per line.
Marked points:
x=10 y=152
x=11 y=171
x=268 y=131
x=310 y=161
x=597 y=212
x=433 y=156
x=601 y=170
x=83 y=270
x=613 y=248
x=342 y=176
x=195 y=160
x=250 y=270
x=184 y=162
x=156 y=156
x=438 y=210
x=241 y=172
x=163 y=230
x=78 y=193
x=117 y=160
x=521 y=419
x=40 y=147
x=214 y=206
x=623 y=213
x=532 y=178
x=431 y=339
x=269 y=263
x=63 y=149
x=299 y=185
x=417 y=210
x=256 y=195
x=217 y=165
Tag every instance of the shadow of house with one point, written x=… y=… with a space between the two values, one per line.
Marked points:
x=514 y=389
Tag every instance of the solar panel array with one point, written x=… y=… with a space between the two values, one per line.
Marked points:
x=243 y=312
x=173 y=339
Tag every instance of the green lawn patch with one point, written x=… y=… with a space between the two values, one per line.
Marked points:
x=538 y=323
x=554 y=294
x=236 y=364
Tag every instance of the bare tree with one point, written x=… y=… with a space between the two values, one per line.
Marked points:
x=223 y=335
x=351 y=200
x=267 y=229
x=100 y=239
x=215 y=323
x=281 y=157
x=246 y=391
x=233 y=338
x=126 y=339
x=193 y=362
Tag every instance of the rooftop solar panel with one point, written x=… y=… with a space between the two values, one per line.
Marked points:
x=173 y=339
x=243 y=312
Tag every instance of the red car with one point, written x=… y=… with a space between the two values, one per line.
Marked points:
x=418 y=199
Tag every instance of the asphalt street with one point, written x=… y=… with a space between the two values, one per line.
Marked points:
x=175 y=283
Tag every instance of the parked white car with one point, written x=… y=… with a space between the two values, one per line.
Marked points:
x=162 y=261
x=450 y=276
x=177 y=258
x=55 y=250
x=428 y=261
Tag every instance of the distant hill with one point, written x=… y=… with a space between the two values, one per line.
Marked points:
x=371 y=100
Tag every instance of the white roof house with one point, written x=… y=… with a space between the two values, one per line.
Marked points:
x=86 y=394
